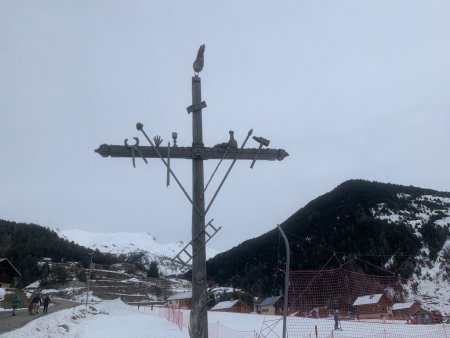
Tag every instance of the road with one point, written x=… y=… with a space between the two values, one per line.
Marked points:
x=9 y=322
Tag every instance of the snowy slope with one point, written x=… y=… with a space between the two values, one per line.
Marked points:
x=115 y=319
x=416 y=211
x=129 y=244
x=431 y=281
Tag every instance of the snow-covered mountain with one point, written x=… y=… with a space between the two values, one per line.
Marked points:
x=431 y=280
x=369 y=227
x=140 y=246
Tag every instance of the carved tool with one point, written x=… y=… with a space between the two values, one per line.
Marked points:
x=228 y=171
x=262 y=142
x=134 y=148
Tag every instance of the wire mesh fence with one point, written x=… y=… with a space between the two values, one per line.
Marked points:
x=215 y=330
x=341 y=303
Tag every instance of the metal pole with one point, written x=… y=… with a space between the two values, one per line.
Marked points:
x=228 y=171
x=199 y=315
x=286 y=280
x=89 y=278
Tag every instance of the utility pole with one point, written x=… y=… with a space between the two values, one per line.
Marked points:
x=198 y=326
x=286 y=280
x=88 y=280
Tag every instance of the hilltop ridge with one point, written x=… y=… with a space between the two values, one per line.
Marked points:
x=394 y=229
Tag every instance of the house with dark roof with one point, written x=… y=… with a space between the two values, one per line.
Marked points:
x=271 y=306
x=8 y=273
x=374 y=306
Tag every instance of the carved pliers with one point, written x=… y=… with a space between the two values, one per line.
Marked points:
x=134 y=148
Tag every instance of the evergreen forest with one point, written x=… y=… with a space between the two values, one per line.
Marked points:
x=338 y=229
x=26 y=244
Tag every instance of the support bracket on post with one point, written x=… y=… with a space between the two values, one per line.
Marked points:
x=196 y=107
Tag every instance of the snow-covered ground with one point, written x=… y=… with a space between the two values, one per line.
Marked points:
x=107 y=319
x=2 y=293
x=115 y=319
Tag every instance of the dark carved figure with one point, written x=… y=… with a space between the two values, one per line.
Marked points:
x=232 y=143
x=199 y=61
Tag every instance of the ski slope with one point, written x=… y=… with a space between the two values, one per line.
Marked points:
x=114 y=319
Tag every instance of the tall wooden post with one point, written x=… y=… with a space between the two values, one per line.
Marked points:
x=198 y=325
x=199 y=315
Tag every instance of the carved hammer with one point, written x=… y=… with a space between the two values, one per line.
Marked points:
x=262 y=142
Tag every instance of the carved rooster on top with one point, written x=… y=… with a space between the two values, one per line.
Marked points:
x=199 y=61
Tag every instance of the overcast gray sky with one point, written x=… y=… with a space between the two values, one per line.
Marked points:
x=351 y=89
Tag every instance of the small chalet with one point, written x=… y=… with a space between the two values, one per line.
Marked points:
x=180 y=300
x=7 y=273
x=232 y=306
x=419 y=315
x=271 y=306
x=375 y=306
x=320 y=312
x=405 y=310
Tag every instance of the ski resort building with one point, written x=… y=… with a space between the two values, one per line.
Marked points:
x=405 y=310
x=180 y=300
x=8 y=273
x=414 y=313
x=231 y=306
x=320 y=312
x=271 y=306
x=376 y=306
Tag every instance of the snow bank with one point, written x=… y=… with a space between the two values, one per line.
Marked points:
x=112 y=319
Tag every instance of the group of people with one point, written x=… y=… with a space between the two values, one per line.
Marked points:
x=36 y=302
x=33 y=307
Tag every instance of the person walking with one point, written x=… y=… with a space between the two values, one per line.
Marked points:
x=36 y=304
x=15 y=304
x=46 y=302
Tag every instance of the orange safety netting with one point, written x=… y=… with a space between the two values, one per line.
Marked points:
x=332 y=303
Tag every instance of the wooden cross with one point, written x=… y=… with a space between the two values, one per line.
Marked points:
x=198 y=327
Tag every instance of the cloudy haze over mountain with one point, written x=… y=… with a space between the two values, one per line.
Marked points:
x=348 y=89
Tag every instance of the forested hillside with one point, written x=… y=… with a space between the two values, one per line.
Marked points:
x=24 y=244
x=386 y=226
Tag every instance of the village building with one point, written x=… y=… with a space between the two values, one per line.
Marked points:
x=271 y=306
x=180 y=300
x=232 y=306
x=414 y=313
x=375 y=306
x=405 y=310
x=8 y=273
x=320 y=312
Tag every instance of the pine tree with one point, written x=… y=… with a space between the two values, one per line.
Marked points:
x=153 y=270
